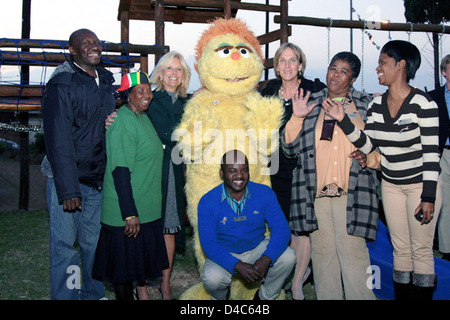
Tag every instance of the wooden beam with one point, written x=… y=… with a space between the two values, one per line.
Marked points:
x=144 y=63
x=24 y=141
x=358 y=24
x=109 y=46
x=268 y=63
x=234 y=5
x=273 y=36
x=159 y=26
x=180 y=15
x=227 y=9
x=30 y=106
x=15 y=91
x=193 y=11
x=125 y=27
x=36 y=59
x=170 y=15
x=125 y=33
x=19 y=107
x=284 y=21
x=124 y=6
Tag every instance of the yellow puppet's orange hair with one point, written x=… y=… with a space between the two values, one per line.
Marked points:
x=221 y=26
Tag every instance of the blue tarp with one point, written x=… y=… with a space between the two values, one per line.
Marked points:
x=381 y=258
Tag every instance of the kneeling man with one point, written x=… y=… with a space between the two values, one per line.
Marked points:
x=232 y=221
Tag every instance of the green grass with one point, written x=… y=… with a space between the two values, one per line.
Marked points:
x=25 y=265
x=24 y=259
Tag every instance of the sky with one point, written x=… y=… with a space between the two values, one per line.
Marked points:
x=57 y=19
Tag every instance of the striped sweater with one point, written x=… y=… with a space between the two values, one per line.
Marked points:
x=408 y=143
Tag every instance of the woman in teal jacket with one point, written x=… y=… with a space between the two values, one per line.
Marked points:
x=171 y=78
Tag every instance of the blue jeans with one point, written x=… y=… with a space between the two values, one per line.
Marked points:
x=65 y=229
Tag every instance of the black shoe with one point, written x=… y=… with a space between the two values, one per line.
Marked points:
x=403 y=291
x=422 y=293
x=256 y=297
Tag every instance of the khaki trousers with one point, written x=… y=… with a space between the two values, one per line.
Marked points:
x=217 y=280
x=412 y=241
x=340 y=261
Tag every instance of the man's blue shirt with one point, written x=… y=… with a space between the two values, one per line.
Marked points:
x=237 y=206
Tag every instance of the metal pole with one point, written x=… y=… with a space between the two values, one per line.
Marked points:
x=351 y=29
x=266 y=71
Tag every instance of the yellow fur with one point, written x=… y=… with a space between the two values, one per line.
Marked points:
x=227 y=108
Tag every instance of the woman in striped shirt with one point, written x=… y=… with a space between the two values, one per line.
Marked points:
x=403 y=123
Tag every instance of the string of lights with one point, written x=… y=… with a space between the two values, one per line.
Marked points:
x=20 y=128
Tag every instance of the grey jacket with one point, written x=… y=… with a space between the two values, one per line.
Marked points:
x=362 y=199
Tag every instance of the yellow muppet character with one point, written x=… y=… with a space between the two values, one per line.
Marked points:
x=228 y=113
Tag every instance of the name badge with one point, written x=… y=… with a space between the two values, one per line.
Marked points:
x=405 y=121
x=240 y=218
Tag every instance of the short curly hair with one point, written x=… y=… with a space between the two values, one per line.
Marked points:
x=351 y=58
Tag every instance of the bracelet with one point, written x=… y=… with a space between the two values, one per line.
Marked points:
x=130 y=217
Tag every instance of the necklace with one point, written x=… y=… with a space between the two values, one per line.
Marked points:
x=281 y=92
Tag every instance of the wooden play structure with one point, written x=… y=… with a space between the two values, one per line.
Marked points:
x=26 y=97
x=198 y=11
x=23 y=98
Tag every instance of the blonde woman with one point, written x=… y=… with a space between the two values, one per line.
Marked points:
x=171 y=78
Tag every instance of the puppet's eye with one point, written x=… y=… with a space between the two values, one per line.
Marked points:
x=244 y=52
x=223 y=53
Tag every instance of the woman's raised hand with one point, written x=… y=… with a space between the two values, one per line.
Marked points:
x=300 y=104
x=334 y=109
